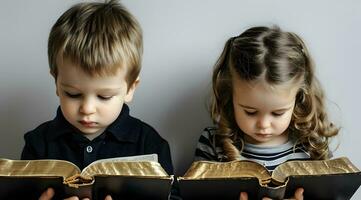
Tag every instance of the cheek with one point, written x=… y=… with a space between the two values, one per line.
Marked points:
x=284 y=122
x=68 y=106
x=112 y=109
x=67 y=103
x=244 y=122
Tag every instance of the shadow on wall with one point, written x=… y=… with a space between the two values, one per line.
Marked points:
x=21 y=111
x=186 y=117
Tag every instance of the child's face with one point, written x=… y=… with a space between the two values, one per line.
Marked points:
x=91 y=103
x=263 y=113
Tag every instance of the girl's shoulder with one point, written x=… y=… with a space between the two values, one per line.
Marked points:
x=207 y=148
x=209 y=133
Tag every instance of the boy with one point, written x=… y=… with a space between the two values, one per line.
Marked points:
x=95 y=52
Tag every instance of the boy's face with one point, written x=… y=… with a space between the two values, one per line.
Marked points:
x=89 y=103
x=263 y=113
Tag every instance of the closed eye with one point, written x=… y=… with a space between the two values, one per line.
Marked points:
x=278 y=114
x=250 y=113
x=74 y=96
x=104 y=97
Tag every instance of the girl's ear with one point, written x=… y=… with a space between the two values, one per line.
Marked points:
x=129 y=96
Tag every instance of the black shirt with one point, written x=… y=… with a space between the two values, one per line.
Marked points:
x=126 y=136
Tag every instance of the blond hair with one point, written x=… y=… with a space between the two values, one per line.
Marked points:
x=277 y=57
x=99 y=37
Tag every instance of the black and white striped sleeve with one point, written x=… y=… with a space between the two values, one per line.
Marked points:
x=205 y=148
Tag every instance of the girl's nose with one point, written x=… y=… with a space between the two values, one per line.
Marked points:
x=263 y=122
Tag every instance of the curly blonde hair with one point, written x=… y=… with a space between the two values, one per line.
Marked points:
x=279 y=57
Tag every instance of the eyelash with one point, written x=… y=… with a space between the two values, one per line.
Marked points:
x=277 y=114
x=250 y=113
x=255 y=112
x=75 y=96
x=104 y=97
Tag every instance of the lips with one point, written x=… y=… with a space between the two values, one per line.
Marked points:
x=88 y=124
x=263 y=134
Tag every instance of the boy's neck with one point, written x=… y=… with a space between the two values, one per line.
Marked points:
x=92 y=136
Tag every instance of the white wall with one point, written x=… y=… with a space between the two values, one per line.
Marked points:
x=182 y=40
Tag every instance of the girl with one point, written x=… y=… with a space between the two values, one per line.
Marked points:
x=267 y=103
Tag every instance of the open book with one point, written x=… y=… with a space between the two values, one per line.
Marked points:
x=136 y=177
x=322 y=179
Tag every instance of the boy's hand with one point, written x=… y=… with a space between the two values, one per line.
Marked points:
x=298 y=195
x=108 y=197
x=49 y=194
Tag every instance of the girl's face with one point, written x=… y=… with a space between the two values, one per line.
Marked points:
x=263 y=112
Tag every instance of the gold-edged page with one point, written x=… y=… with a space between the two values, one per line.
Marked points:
x=126 y=168
x=223 y=170
x=37 y=168
x=314 y=167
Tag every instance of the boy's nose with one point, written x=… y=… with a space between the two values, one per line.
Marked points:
x=87 y=107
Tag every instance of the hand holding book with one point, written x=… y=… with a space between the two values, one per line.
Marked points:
x=298 y=195
x=49 y=194
x=204 y=179
x=138 y=177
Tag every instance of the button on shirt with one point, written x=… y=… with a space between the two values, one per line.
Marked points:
x=89 y=149
x=126 y=136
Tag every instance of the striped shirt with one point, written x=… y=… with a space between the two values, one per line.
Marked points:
x=270 y=157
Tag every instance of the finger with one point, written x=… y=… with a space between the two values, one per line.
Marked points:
x=266 y=198
x=299 y=194
x=243 y=196
x=72 y=198
x=108 y=197
x=47 y=195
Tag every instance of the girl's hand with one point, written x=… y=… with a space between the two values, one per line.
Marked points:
x=298 y=195
x=243 y=196
x=49 y=194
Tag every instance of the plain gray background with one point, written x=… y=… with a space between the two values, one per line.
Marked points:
x=182 y=40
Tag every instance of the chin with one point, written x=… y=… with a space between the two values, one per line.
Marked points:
x=88 y=131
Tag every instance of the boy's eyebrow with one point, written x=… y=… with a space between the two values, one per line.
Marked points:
x=99 y=89
x=66 y=85
x=109 y=89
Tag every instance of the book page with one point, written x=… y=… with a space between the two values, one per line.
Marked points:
x=145 y=157
x=37 y=168
x=313 y=167
x=143 y=165
x=220 y=170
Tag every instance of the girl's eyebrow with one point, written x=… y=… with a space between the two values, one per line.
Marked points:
x=277 y=110
x=282 y=109
x=247 y=107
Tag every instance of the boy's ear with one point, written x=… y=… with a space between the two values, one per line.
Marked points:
x=56 y=86
x=129 y=96
x=56 y=89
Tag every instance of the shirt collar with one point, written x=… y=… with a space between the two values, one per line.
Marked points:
x=60 y=126
x=124 y=128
